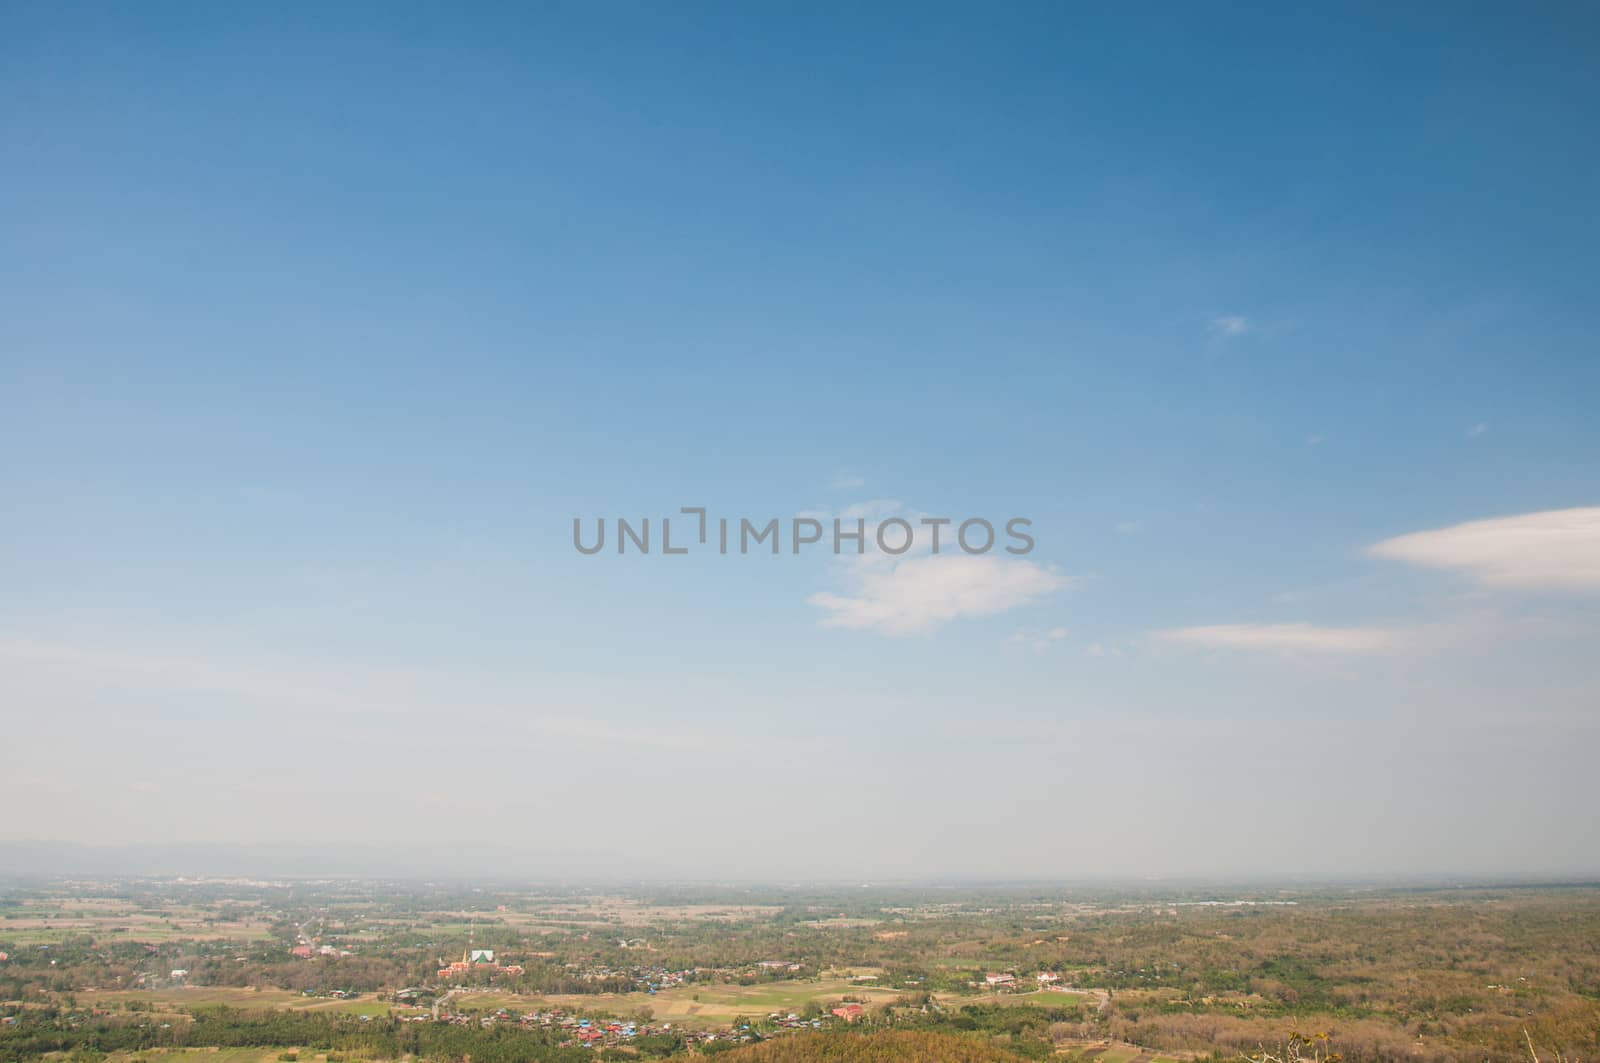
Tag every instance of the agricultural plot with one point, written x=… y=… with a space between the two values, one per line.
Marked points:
x=1043 y=998
x=36 y=923
x=216 y=1055
x=177 y=1000
x=696 y=1005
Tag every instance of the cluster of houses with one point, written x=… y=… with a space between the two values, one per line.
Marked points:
x=651 y=978
x=647 y=978
x=602 y=1033
x=305 y=952
x=1004 y=980
x=597 y=1033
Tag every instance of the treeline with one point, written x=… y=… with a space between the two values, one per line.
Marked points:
x=235 y=1028
x=1026 y=1030
x=893 y=1046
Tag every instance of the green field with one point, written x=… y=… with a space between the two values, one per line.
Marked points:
x=215 y=1055
x=180 y=999
x=1042 y=998
x=694 y=1005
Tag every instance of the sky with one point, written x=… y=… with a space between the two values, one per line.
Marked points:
x=320 y=325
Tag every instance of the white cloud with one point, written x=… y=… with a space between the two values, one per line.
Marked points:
x=264 y=495
x=1231 y=325
x=285 y=685
x=873 y=510
x=1292 y=638
x=1130 y=527
x=1040 y=641
x=1478 y=429
x=872 y=513
x=1555 y=549
x=1313 y=440
x=343 y=690
x=919 y=594
x=845 y=480
x=580 y=732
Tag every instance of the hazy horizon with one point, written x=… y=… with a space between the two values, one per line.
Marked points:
x=491 y=865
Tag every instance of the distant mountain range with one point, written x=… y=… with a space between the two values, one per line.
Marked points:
x=280 y=861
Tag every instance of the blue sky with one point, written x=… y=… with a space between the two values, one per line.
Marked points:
x=318 y=327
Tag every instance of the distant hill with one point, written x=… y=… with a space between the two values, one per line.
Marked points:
x=431 y=861
x=895 y=1046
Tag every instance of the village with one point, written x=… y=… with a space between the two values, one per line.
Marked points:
x=601 y=1031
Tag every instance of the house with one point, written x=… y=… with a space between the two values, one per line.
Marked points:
x=1047 y=977
x=1000 y=979
x=302 y=951
x=848 y=1012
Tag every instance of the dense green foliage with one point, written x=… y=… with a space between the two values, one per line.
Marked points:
x=232 y=1028
x=884 y=1047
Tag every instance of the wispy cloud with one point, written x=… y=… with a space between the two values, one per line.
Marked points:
x=1556 y=549
x=1130 y=527
x=1478 y=429
x=560 y=722
x=1040 y=641
x=260 y=494
x=920 y=594
x=845 y=480
x=280 y=683
x=577 y=732
x=1293 y=638
x=1231 y=325
x=872 y=513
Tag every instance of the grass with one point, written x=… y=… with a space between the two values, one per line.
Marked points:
x=1118 y=1054
x=1043 y=998
x=174 y=1000
x=692 y=1005
x=36 y=925
x=1101 y=1052
x=213 y=1055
